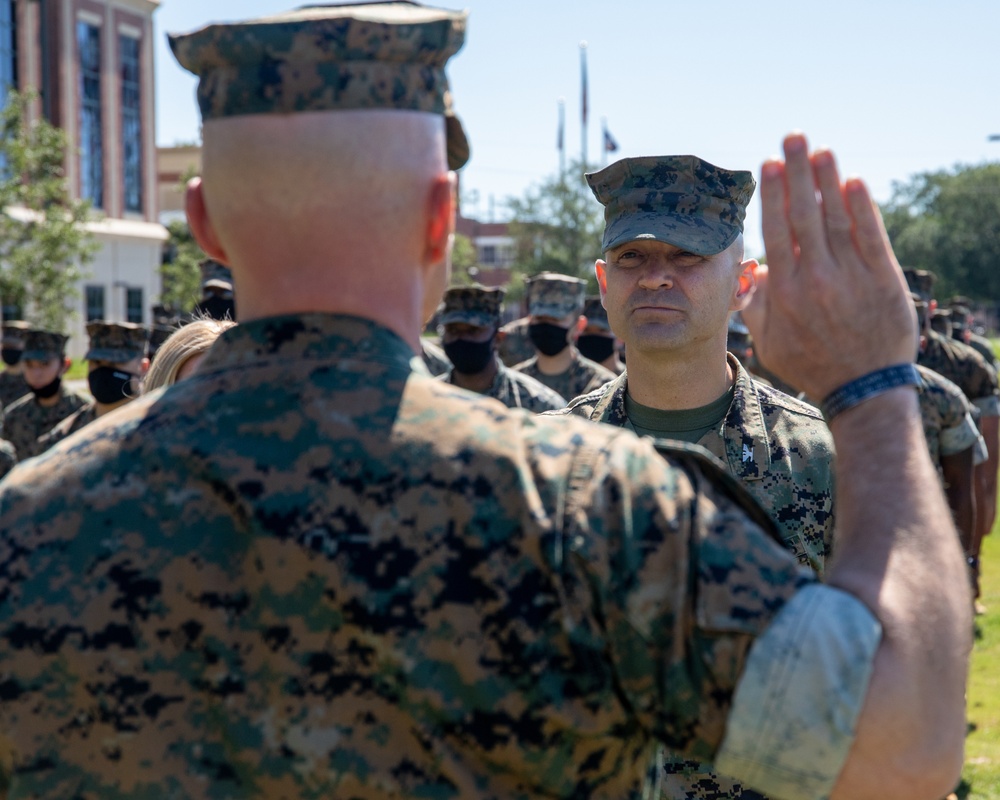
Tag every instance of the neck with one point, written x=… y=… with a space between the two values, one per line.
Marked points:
x=557 y=364
x=612 y=363
x=672 y=383
x=329 y=290
x=48 y=402
x=477 y=382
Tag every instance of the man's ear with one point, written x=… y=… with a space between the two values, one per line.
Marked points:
x=601 y=271
x=201 y=226
x=66 y=362
x=747 y=283
x=441 y=219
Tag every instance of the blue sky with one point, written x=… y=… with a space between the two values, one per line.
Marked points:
x=895 y=87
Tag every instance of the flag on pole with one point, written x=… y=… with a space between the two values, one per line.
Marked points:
x=610 y=144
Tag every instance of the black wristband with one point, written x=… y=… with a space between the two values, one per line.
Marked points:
x=868 y=386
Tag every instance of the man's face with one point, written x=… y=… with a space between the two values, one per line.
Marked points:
x=660 y=297
x=39 y=374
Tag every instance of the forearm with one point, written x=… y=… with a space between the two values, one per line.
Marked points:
x=960 y=489
x=898 y=553
x=987 y=512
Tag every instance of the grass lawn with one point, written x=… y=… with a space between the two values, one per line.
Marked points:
x=981 y=776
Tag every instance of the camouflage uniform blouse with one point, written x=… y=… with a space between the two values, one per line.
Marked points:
x=946 y=416
x=782 y=452
x=582 y=377
x=312 y=570
x=27 y=419
x=517 y=390
x=964 y=367
x=514 y=344
x=12 y=387
x=68 y=426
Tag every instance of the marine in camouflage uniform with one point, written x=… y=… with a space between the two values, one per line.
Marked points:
x=313 y=570
x=117 y=361
x=28 y=418
x=555 y=307
x=961 y=330
x=470 y=318
x=12 y=385
x=597 y=341
x=780 y=449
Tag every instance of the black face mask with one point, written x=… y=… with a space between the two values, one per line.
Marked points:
x=550 y=339
x=595 y=346
x=10 y=356
x=50 y=390
x=110 y=385
x=468 y=357
x=216 y=307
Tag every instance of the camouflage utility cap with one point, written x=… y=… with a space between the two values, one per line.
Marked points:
x=13 y=332
x=330 y=58
x=679 y=200
x=596 y=313
x=115 y=341
x=215 y=275
x=43 y=345
x=921 y=282
x=555 y=295
x=472 y=305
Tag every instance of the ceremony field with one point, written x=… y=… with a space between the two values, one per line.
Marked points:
x=981 y=776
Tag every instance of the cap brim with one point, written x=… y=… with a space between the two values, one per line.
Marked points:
x=216 y=283
x=687 y=232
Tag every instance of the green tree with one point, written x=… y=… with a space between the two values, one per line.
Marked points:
x=180 y=271
x=949 y=222
x=463 y=261
x=43 y=243
x=557 y=226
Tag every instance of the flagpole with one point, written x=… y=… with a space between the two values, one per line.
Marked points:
x=583 y=82
x=561 y=141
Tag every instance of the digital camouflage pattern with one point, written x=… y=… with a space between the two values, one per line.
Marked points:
x=596 y=313
x=74 y=422
x=26 y=420
x=946 y=416
x=13 y=332
x=517 y=390
x=8 y=457
x=555 y=295
x=964 y=367
x=472 y=305
x=581 y=377
x=434 y=357
x=12 y=387
x=327 y=58
x=984 y=347
x=778 y=447
x=679 y=200
x=781 y=451
x=42 y=345
x=514 y=342
x=116 y=341
x=313 y=571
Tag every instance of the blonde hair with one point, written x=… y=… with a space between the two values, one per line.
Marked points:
x=183 y=344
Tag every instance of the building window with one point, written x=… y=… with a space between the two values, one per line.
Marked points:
x=131 y=122
x=488 y=255
x=133 y=305
x=88 y=38
x=8 y=49
x=95 y=303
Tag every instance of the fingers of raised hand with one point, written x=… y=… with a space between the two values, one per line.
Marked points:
x=778 y=239
x=804 y=210
x=872 y=241
x=838 y=222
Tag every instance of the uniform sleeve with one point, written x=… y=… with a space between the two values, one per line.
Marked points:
x=693 y=574
x=959 y=435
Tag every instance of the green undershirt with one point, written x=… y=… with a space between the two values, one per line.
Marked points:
x=687 y=425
